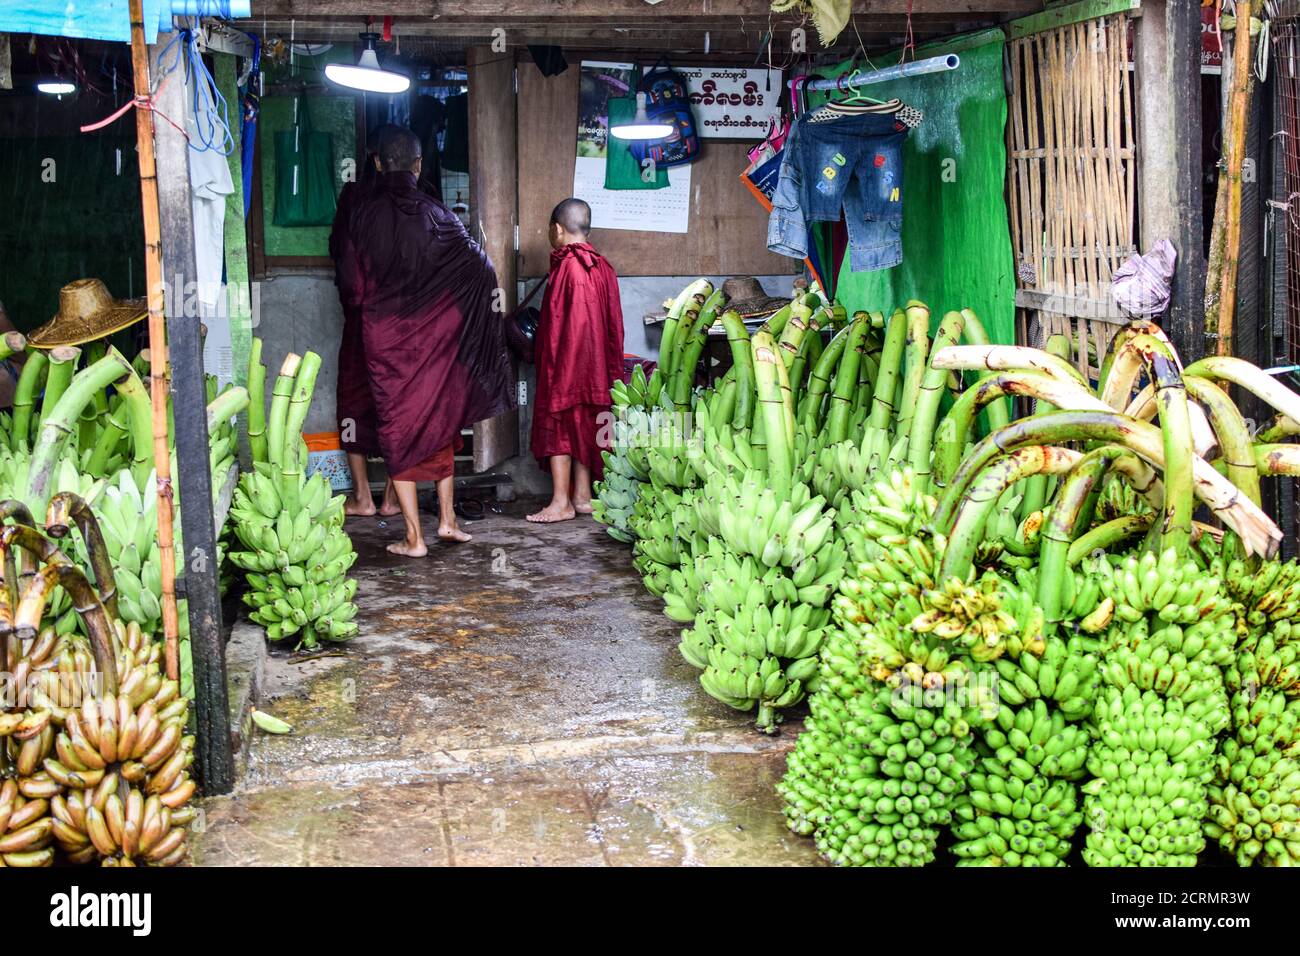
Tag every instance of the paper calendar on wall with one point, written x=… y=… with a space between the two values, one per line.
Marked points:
x=651 y=210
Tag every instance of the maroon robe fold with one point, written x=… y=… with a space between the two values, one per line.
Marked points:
x=434 y=348
x=578 y=351
x=354 y=405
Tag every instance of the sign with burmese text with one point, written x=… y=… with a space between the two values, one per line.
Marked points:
x=732 y=102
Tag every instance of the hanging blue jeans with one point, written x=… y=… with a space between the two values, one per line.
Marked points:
x=854 y=163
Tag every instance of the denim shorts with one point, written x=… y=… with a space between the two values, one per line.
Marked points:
x=854 y=164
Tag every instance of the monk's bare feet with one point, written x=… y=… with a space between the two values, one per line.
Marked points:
x=453 y=534
x=408 y=550
x=355 y=509
x=552 y=513
x=582 y=507
x=388 y=511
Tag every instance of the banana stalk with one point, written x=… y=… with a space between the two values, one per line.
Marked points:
x=955 y=430
x=299 y=402
x=883 y=405
x=63 y=363
x=66 y=508
x=742 y=364
x=921 y=435
x=917 y=356
x=1257 y=532
x=696 y=293
x=1005 y=358
x=846 y=381
x=1278 y=460
x=57 y=427
x=103 y=639
x=780 y=468
x=1069 y=514
x=687 y=346
x=280 y=395
x=11 y=343
x=974 y=333
x=820 y=378
x=225 y=406
x=29 y=383
x=1176 y=430
x=139 y=420
x=1106 y=537
x=257 y=403
x=982 y=497
x=1036 y=487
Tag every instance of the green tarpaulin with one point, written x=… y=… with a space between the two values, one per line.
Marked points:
x=956 y=235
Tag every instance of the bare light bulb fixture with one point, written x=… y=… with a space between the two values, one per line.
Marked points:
x=56 y=87
x=367 y=75
x=641 y=126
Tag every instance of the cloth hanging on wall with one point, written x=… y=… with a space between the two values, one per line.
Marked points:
x=304 y=173
x=622 y=171
x=956 y=232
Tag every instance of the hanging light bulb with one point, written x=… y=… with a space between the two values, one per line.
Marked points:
x=57 y=87
x=641 y=126
x=367 y=75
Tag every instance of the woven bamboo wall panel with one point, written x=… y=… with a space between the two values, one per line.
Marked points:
x=1071 y=176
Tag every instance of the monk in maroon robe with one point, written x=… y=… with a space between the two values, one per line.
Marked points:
x=354 y=405
x=435 y=349
x=579 y=355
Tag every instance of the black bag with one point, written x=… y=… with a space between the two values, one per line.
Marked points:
x=667 y=101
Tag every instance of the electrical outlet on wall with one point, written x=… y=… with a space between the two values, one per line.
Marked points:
x=523 y=392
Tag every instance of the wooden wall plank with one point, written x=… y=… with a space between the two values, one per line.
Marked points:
x=493 y=197
x=728 y=227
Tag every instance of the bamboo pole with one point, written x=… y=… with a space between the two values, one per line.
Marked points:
x=1235 y=145
x=153 y=273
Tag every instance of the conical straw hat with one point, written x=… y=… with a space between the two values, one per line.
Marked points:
x=86 y=312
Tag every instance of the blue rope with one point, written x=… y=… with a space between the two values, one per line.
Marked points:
x=211 y=113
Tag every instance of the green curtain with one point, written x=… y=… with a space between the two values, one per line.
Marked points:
x=956 y=232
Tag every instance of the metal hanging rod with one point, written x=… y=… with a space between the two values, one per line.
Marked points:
x=935 y=64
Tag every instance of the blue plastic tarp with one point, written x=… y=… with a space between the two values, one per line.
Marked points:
x=107 y=19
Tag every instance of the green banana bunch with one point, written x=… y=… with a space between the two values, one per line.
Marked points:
x=616 y=496
x=296 y=560
x=1162 y=704
x=1254 y=812
x=1151 y=760
x=639 y=391
x=1022 y=808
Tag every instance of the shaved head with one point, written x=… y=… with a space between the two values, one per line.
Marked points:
x=573 y=216
x=399 y=149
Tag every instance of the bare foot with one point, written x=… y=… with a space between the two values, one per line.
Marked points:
x=552 y=513
x=408 y=550
x=582 y=507
x=388 y=511
x=355 y=509
x=453 y=534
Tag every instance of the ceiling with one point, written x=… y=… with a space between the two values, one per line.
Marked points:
x=679 y=26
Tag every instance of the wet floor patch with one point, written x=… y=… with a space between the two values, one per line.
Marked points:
x=515 y=700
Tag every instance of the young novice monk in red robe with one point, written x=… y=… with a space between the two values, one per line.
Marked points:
x=579 y=354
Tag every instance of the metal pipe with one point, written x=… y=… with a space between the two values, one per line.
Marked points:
x=935 y=64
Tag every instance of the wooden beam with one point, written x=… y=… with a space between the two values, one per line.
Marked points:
x=493 y=208
x=1071 y=13
x=1167 y=67
x=189 y=392
x=616 y=10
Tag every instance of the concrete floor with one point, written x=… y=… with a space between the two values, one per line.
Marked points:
x=516 y=700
